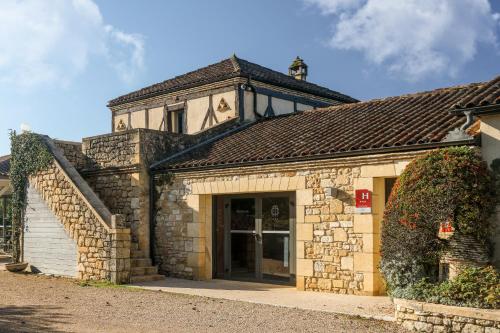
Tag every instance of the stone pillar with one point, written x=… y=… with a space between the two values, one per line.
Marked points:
x=196 y=235
x=206 y=243
x=119 y=261
x=367 y=261
x=304 y=233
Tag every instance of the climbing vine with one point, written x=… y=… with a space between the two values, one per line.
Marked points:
x=29 y=155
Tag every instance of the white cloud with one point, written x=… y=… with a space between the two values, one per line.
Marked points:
x=412 y=38
x=335 y=6
x=51 y=42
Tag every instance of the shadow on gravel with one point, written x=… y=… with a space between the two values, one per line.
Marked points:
x=30 y=318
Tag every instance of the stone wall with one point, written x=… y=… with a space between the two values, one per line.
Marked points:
x=437 y=318
x=131 y=148
x=102 y=240
x=490 y=150
x=337 y=250
x=73 y=153
x=173 y=244
x=118 y=174
x=121 y=194
x=112 y=150
x=117 y=170
x=334 y=241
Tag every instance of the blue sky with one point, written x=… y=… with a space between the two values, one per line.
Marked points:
x=61 y=61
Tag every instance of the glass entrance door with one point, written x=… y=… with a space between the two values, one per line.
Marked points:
x=259 y=237
x=243 y=235
x=276 y=238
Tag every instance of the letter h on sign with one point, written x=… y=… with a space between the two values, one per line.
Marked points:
x=363 y=201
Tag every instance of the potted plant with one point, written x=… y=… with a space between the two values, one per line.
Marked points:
x=16 y=267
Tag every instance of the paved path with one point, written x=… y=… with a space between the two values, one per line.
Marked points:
x=379 y=307
x=34 y=303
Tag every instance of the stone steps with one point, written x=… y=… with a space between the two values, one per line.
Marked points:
x=141 y=262
x=142 y=269
x=145 y=270
x=146 y=278
x=135 y=254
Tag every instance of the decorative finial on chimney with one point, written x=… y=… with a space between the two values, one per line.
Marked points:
x=298 y=69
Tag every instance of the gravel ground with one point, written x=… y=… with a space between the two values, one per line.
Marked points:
x=33 y=303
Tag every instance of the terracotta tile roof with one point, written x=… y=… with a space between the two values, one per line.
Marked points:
x=401 y=122
x=485 y=94
x=229 y=68
x=466 y=248
x=4 y=165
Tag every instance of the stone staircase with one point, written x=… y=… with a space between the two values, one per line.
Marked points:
x=141 y=267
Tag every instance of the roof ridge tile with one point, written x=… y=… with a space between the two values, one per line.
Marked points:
x=225 y=69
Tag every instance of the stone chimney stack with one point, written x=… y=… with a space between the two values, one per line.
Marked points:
x=298 y=69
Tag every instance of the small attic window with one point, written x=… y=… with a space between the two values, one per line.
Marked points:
x=175 y=118
x=176 y=121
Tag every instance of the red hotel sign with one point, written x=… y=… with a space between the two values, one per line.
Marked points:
x=446 y=227
x=363 y=201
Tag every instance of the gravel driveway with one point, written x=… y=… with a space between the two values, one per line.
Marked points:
x=32 y=303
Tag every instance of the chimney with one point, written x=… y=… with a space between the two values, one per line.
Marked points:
x=298 y=69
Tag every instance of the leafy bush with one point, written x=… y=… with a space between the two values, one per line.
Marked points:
x=450 y=185
x=29 y=154
x=473 y=287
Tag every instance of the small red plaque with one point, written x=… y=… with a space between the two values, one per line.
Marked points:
x=363 y=201
x=446 y=227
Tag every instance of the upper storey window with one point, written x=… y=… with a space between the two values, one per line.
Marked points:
x=176 y=121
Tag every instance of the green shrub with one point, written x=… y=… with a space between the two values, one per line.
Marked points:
x=446 y=185
x=473 y=287
x=29 y=155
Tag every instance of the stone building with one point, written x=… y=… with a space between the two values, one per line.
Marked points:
x=236 y=171
x=231 y=89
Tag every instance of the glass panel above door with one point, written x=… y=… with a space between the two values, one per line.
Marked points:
x=243 y=214
x=275 y=214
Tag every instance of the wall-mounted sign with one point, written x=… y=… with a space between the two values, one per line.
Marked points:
x=445 y=230
x=445 y=227
x=363 y=201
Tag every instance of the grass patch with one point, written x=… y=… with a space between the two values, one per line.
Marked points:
x=105 y=284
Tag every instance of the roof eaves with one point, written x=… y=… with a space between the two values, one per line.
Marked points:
x=333 y=95
x=373 y=151
x=477 y=110
x=177 y=88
